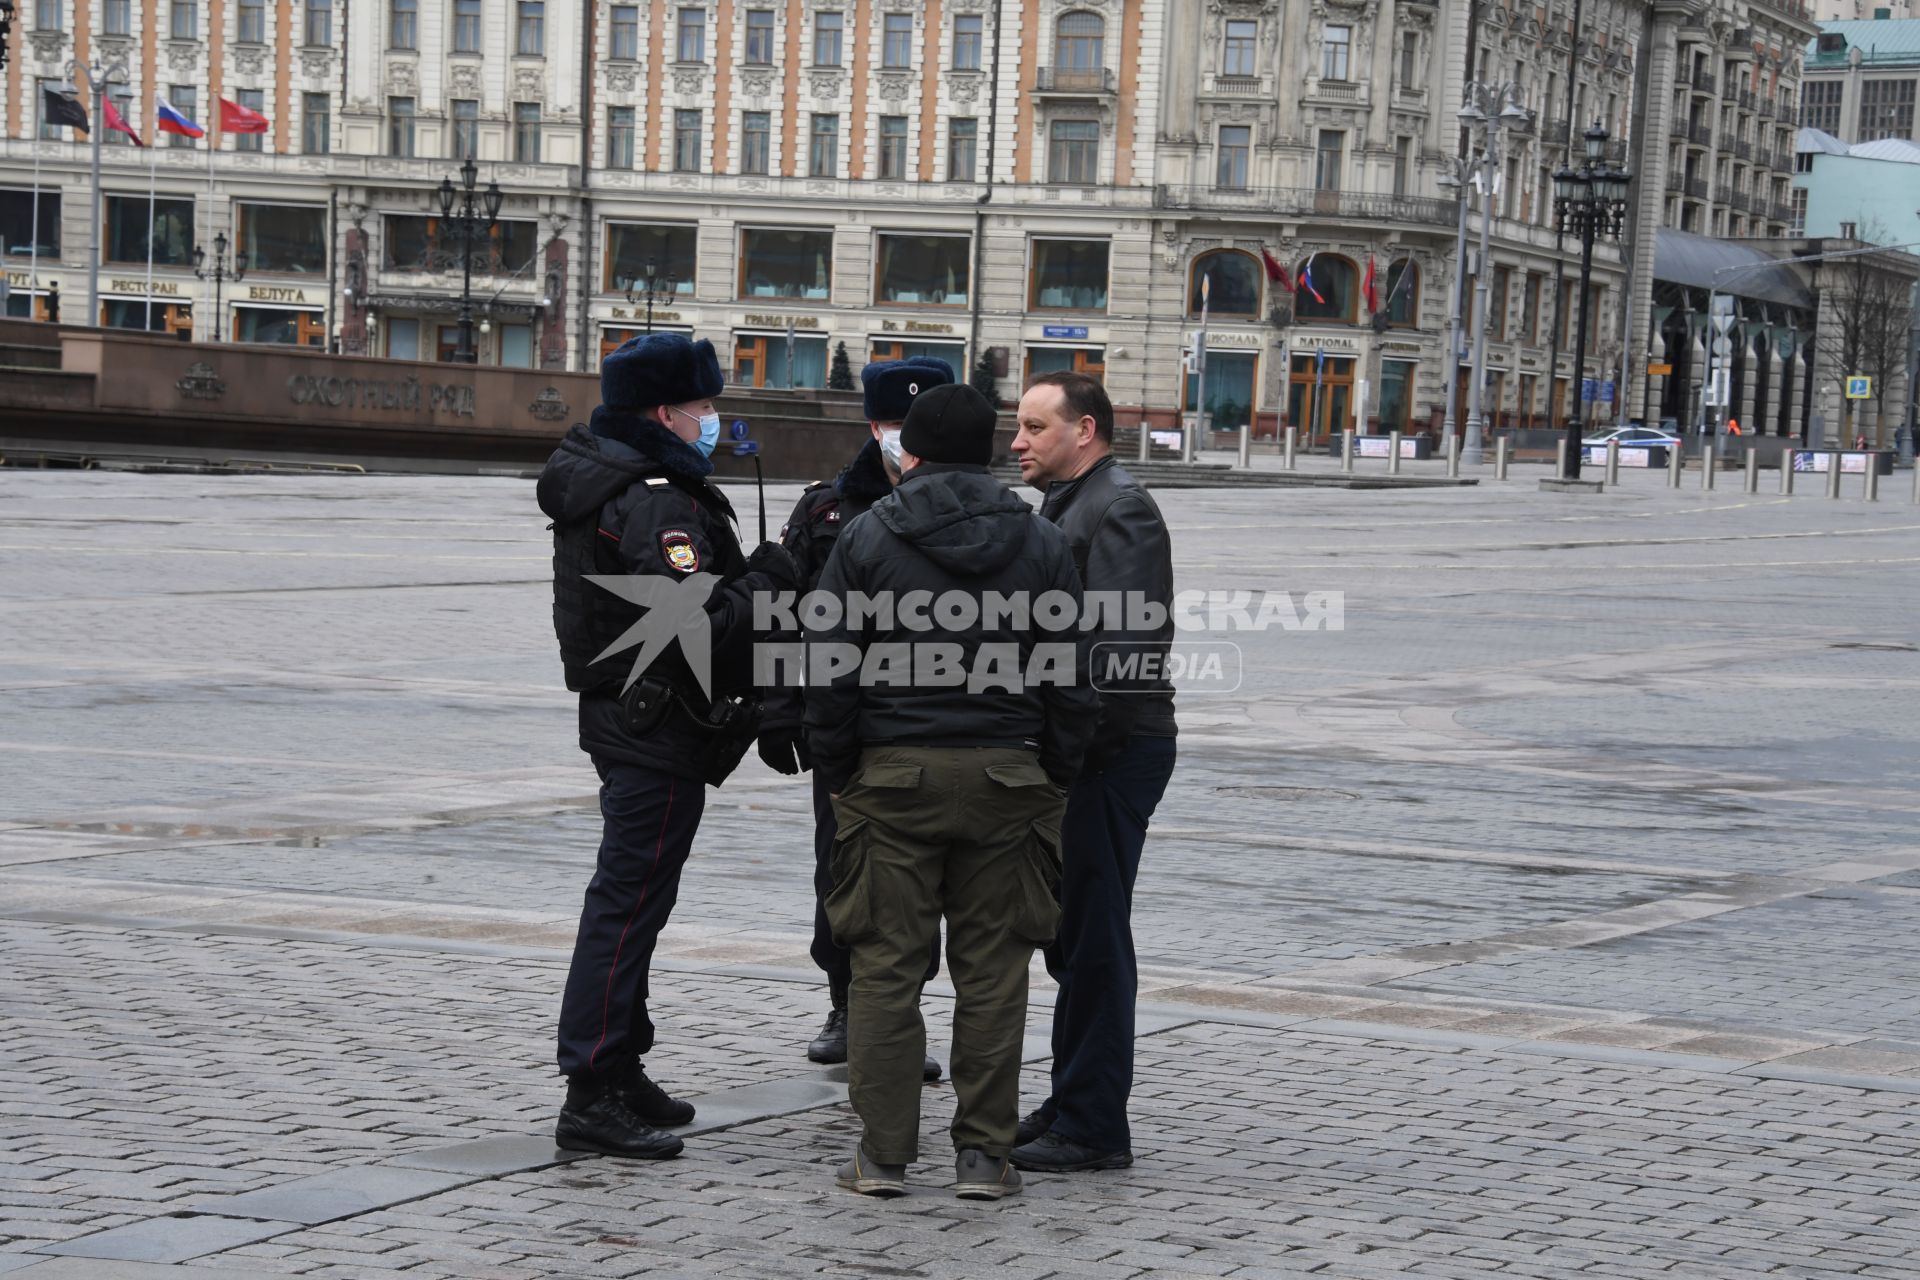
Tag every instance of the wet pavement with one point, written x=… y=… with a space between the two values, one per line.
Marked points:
x=1559 y=915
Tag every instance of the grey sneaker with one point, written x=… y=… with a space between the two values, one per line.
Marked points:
x=978 y=1176
x=862 y=1174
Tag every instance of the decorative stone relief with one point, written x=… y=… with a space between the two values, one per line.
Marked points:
x=755 y=84
x=963 y=88
x=183 y=57
x=526 y=84
x=47 y=45
x=824 y=84
x=316 y=62
x=894 y=88
x=250 y=62
x=402 y=79
x=689 y=80
x=463 y=78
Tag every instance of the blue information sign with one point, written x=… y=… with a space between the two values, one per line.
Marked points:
x=739 y=428
x=1064 y=331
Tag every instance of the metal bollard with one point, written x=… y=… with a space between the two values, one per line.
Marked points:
x=1709 y=463
x=1916 y=484
x=1613 y=463
x=1560 y=460
x=1499 y=458
x=1753 y=469
x=1453 y=457
x=1833 y=475
x=1786 y=474
x=1146 y=440
x=1346 y=451
x=1246 y=446
x=1293 y=442
x=1393 y=454
x=1873 y=477
x=1673 y=467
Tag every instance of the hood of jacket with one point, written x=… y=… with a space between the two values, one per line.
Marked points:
x=865 y=478
x=595 y=463
x=958 y=516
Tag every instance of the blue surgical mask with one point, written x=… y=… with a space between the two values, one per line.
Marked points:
x=709 y=431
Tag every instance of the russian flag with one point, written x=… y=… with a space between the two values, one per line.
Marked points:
x=169 y=120
x=1306 y=279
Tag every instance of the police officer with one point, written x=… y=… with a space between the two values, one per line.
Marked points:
x=947 y=764
x=826 y=508
x=1121 y=547
x=632 y=505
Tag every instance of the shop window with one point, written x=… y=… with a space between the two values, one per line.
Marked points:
x=786 y=264
x=1230 y=394
x=283 y=327
x=923 y=270
x=1396 y=395
x=516 y=346
x=1335 y=281
x=403 y=339
x=951 y=352
x=18 y=219
x=1069 y=275
x=1235 y=288
x=133 y=313
x=127 y=230
x=1091 y=361
x=668 y=248
x=282 y=237
x=762 y=361
x=414 y=243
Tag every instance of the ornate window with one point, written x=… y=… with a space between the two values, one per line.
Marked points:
x=1336 y=284
x=1079 y=41
x=1401 y=301
x=1234 y=288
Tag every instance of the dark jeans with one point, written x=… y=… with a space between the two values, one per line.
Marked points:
x=1092 y=960
x=835 y=960
x=649 y=824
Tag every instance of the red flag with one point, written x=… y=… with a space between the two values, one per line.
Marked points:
x=1276 y=272
x=235 y=118
x=1371 y=294
x=117 y=121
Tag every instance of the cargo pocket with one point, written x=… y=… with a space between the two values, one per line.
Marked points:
x=1036 y=916
x=849 y=906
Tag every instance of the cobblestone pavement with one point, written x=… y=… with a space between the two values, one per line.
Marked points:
x=1557 y=916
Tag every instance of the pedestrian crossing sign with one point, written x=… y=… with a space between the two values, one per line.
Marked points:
x=1859 y=388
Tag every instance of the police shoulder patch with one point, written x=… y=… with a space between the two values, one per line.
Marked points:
x=681 y=554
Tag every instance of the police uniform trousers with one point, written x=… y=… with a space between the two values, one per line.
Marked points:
x=1101 y=838
x=649 y=823
x=971 y=834
x=835 y=960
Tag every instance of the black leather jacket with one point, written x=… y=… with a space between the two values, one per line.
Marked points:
x=950 y=527
x=1120 y=544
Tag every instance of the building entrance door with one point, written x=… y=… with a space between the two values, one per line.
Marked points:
x=1329 y=405
x=750 y=362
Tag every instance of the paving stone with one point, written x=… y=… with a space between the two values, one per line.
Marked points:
x=338 y=1194
x=487 y=1157
x=169 y=1239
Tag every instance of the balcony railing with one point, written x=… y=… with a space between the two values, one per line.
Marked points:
x=1786 y=111
x=1700 y=134
x=1697 y=188
x=1307 y=201
x=1237 y=86
x=1704 y=82
x=1676 y=181
x=1782 y=212
x=1073 y=80
x=1742 y=149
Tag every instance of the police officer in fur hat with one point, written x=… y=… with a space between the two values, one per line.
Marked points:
x=826 y=508
x=652 y=604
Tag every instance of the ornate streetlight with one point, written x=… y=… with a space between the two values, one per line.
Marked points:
x=1490 y=110
x=219 y=274
x=652 y=285
x=6 y=30
x=477 y=216
x=1591 y=202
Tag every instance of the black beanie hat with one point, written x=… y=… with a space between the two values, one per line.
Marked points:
x=950 y=423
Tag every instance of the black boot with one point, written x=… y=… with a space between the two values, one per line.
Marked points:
x=649 y=1101
x=597 y=1118
x=830 y=1046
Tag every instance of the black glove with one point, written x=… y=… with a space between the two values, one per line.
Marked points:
x=776 y=562
x=785 y=751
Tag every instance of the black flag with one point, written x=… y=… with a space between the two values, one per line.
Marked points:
x=58 y=108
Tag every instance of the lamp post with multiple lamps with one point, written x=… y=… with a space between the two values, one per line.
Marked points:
x=1456 y=179
x=1591 y=202
x=99 y=76
x=648 y=285
x=219 y=273
x=1490 y=110
x=6 y=30
x=478 y=213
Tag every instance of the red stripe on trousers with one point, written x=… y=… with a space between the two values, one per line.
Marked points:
x=606 y=1002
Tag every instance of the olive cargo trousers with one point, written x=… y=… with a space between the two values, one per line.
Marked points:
x=971 y=833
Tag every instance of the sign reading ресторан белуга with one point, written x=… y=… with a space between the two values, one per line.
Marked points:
x=402 y=395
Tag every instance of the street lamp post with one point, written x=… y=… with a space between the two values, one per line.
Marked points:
x=1591 y=202
x=1452 y=181
x=652 y=285
x=1490 y=110
x=6 y=30
x=219 y=274
x=98 y=78
x=478 y=213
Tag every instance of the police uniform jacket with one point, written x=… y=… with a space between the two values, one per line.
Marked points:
x=627 y=496
x=1120 y=544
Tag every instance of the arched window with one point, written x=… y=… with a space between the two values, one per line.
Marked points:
x=1401 y=300
x=1079 y=41
x=1236 y=283
x=1335 y=281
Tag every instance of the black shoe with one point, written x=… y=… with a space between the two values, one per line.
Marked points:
x=930 y=1070
x=650 y=1102
x=1051 y=1153
x=603 y=1122
x=830 y=1045
x=1032 y=1125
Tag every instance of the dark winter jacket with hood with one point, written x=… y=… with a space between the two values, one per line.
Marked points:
x=952 y=527
x=627 y=497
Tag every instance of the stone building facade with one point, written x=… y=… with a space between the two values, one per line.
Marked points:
x=1042 y=183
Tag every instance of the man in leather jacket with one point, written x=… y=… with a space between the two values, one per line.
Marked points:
x=639 y=530
x=822 y=514
x=1120 y=545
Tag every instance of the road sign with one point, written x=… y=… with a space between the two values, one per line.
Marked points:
x=1063 y=331
x=1722 y=348
x=1859 y=388
x=739 y=428
x=1717 y=392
